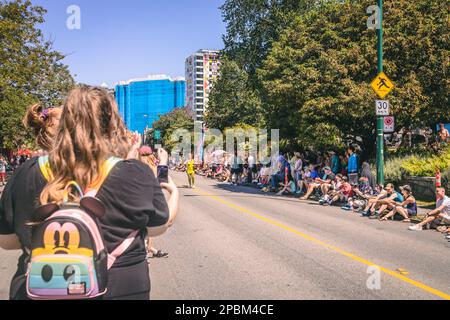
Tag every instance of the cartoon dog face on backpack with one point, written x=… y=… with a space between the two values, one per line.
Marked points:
x=62 y=239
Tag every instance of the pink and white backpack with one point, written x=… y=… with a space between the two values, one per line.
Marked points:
x=68 y=257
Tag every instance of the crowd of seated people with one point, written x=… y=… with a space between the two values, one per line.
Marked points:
x=334 y=180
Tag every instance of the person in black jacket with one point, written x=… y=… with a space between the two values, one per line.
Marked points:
x=90 y=130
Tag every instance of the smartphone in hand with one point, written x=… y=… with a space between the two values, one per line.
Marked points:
x=163 y=174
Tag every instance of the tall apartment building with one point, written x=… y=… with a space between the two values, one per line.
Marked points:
x=202 y=68
x=141 y=101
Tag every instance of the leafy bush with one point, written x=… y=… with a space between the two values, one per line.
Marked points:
x=446 y=180
x=393 y=170
x=427 y=166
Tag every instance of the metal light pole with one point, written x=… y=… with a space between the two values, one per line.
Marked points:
x=380 y=125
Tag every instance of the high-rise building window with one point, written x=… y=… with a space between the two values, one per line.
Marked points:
x=141 y=101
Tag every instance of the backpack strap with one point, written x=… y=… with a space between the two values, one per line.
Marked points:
x=92 y=189
x=121 y=248
x=44 y=166
x=104 y=171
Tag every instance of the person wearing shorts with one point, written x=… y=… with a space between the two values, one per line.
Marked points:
x=342 y=194
x=441 y=212
x=407 y=209
x=190 y=171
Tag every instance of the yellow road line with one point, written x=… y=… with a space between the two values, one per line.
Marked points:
x=326 y=245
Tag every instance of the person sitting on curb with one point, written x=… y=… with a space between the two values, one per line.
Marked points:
x=288 y=187
x=361 y=194
x=326 y=180
x=308 y=175
x=282 y=175
x=371 y=203
x=336 y=188
x=407 y=208
x=389 y=202
x=342 y=194
x=441 y=212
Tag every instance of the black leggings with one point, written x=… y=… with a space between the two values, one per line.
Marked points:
x=129 y=283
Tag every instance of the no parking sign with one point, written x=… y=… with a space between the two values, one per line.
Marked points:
x=389 y=124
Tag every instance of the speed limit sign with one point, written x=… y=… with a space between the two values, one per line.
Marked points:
x=382 y=107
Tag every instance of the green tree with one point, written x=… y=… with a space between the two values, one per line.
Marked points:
x=232 y=101
x=316 y=77
x=252 y=26
x=30 y=70
x=179 y=118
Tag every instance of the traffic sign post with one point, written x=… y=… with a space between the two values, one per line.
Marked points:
x=380 y=122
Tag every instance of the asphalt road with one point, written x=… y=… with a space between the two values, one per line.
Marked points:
x=233 y=242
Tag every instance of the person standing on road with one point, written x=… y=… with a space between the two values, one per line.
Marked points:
x=90 y=131
x=190 y=171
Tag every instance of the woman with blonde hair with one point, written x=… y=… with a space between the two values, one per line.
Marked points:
x=90 y=131
x=44 y=123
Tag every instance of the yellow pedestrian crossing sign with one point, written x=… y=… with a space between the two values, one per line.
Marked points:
x=382 y=85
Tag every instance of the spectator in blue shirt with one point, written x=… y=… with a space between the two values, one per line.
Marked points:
x=352 y=166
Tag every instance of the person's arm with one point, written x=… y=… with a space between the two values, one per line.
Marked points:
x=172 y=202
x=10 y=242
x=436 y=211
x=8 y=239
x=134 y=150
x=391 y=199
x=358 y=192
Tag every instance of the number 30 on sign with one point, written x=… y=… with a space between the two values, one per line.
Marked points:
x=382 y=107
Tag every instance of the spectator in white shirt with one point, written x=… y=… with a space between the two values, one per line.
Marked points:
x=442 y=211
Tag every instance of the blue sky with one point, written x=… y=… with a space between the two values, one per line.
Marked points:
x=119 y=40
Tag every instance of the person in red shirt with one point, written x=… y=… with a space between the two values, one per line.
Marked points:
x=344 y=192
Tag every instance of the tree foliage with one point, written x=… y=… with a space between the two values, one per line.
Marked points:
x=167 y=124
x=252 y=26
x=30 y=69
x=316 y=77
x=310 y=64
x=232 y=100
